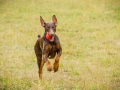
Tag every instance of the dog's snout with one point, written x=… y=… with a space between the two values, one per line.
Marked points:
x=52 y=33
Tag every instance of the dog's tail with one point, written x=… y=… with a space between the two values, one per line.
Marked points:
x=39 y=36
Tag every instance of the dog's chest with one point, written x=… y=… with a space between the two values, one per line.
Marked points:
x=53 y=51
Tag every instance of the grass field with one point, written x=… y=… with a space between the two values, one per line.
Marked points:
x=89 y=31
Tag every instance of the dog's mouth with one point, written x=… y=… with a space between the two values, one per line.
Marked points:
x=50 y=38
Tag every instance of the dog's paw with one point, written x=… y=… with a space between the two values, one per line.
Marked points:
x=49 y=68
x=55 y=70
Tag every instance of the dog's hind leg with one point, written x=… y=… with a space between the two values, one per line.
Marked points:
x=40 y=69
x=38 y=53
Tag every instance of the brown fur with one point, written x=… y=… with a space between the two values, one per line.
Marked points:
x=45 y=48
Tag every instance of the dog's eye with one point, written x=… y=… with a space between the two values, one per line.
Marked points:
x=48 y=27
x=53 y=27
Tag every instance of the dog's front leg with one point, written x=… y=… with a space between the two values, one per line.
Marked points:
x=49 y=67
x=56 y=63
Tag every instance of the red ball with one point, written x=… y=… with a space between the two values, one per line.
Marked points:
x=48 y=36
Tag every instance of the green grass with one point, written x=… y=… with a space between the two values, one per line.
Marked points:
x=89 y=31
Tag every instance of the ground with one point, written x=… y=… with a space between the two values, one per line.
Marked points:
x=89 y=31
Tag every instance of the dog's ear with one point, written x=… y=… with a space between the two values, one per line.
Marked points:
x=42 y=21
x=54 y=19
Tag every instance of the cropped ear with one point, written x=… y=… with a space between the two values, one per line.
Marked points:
x=42 y=21
x=54 y=19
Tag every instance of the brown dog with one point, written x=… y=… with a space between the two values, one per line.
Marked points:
x=48 y=46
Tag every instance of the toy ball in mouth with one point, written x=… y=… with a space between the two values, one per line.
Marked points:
x=48 y=36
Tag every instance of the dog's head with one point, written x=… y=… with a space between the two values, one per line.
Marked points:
x=50 y=27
